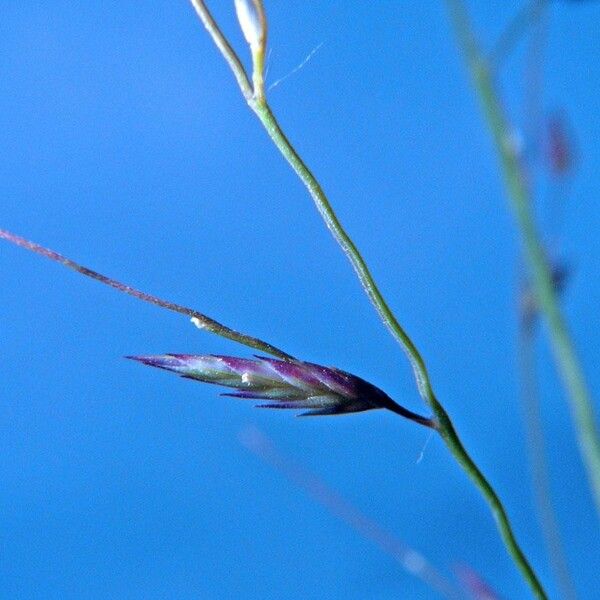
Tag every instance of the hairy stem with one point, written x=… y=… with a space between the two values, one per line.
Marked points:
x=259 y=105
x=562 y=345
x=200 y=320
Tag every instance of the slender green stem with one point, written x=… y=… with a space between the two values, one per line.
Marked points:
x=267 y=118
x=200 y=320
x=259 y=105
x=445 y=427
x=235 y=64
x=453 y=442
x=257 y=101
x=536 y=450
x=562 y=346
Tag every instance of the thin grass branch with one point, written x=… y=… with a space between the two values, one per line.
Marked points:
x=200 y=320
x=258 y=103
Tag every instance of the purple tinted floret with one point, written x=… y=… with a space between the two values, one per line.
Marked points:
x=283 y=384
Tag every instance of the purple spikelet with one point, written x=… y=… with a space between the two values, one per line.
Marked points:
x=283 y=384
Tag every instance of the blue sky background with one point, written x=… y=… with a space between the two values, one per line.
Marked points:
x=126 y=145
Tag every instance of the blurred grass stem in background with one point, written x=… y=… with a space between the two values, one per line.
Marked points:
x=537 y=455
x=411 y=560
x=563 y=348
